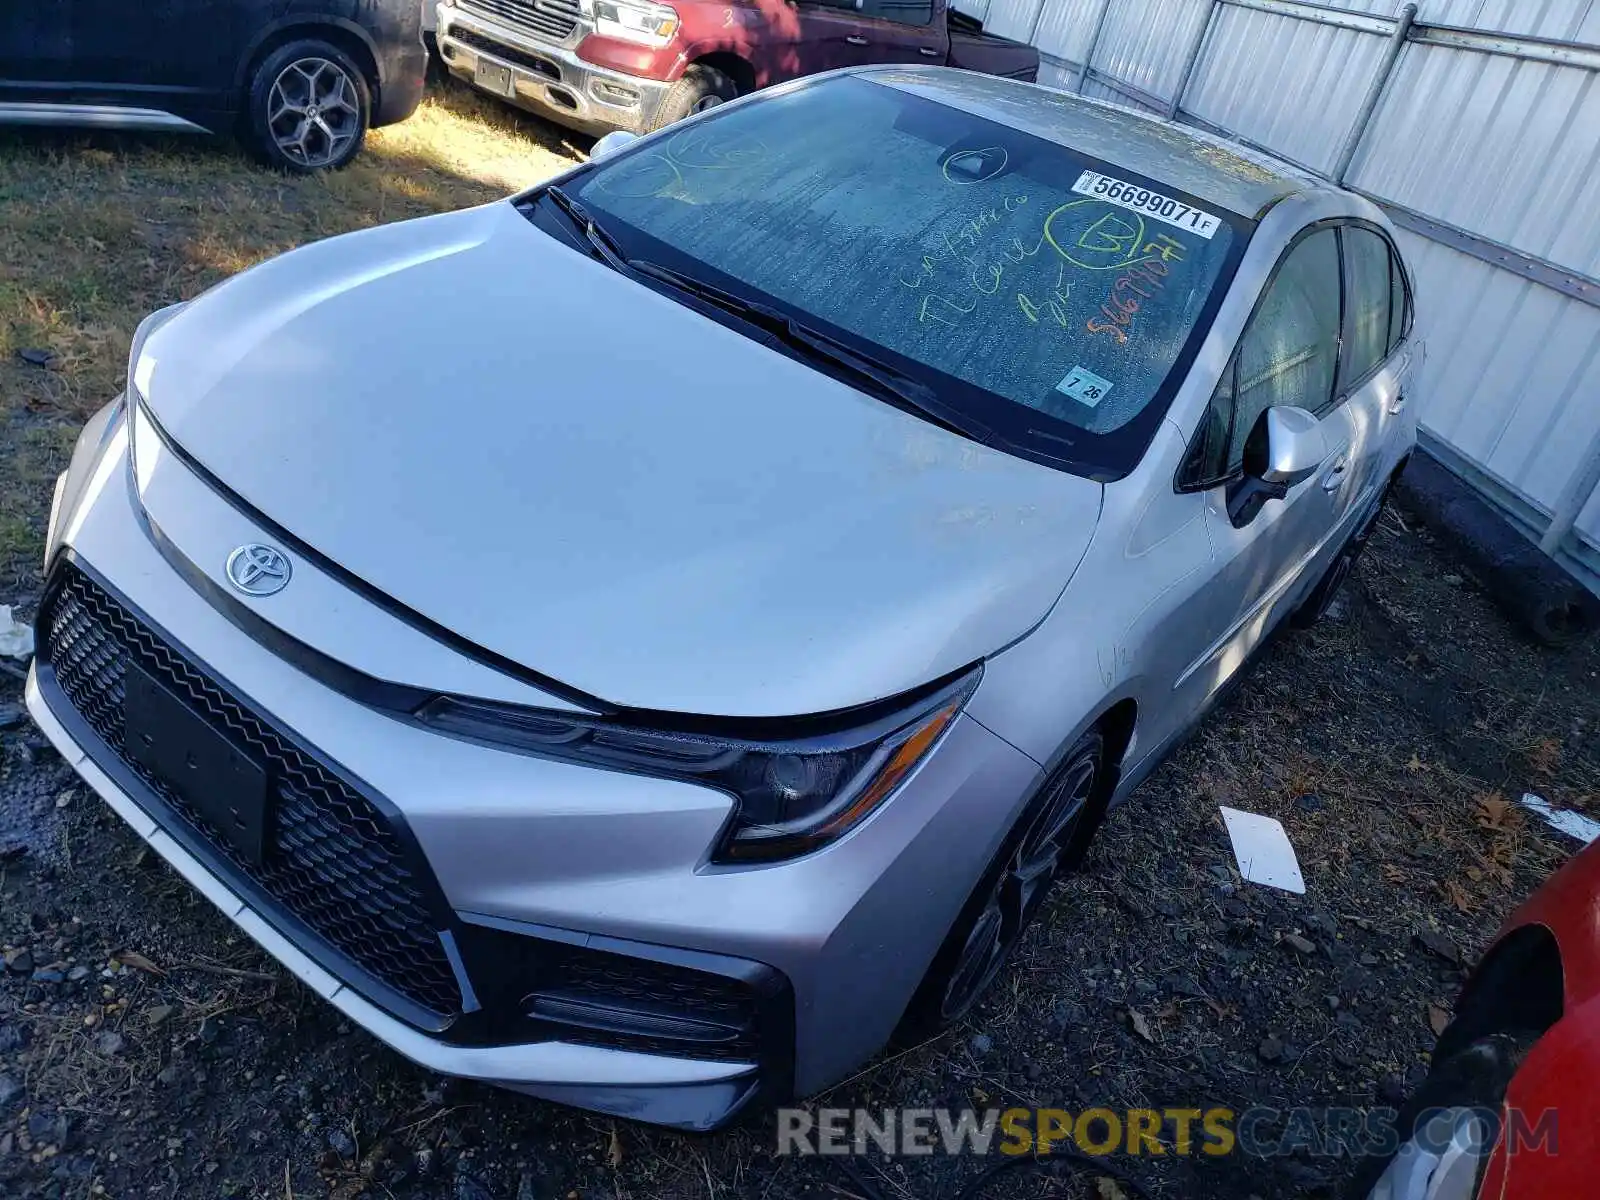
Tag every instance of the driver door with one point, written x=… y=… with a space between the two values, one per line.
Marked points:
x=1265 y=553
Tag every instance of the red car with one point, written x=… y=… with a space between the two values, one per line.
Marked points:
x=1511 y=1107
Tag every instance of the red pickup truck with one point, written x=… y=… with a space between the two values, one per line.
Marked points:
x=600 y=65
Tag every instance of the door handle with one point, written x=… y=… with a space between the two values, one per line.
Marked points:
x=856 y=41
x=1333 y=477
x=1398 y=403
x=930 y=52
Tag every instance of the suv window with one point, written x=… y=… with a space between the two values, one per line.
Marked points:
x=1367 y=302
x=906 y=12
x=1289 y=355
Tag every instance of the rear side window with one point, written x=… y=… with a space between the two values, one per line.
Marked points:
x=1367 y=302
x=1399 y=302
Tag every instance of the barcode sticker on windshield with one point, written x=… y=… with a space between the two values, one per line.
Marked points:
x=1084 y=386
x=1146 y=202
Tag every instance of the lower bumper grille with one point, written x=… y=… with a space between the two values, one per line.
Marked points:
x=471 y=37
x=333 y=860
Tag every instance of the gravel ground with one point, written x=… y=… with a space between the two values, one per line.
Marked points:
x=147 y=1049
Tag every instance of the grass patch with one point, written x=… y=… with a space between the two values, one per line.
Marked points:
x=96 y=230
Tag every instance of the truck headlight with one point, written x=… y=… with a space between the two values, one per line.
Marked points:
x=641 y=21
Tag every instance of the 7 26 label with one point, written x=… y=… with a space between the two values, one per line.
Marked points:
x=1146 y=202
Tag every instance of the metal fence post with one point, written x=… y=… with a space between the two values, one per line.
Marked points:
x=1094 y=41
x=1369 y=105
x=1191 y=61
x=1574 y=499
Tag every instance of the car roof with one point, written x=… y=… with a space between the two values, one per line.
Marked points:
x=1224 y=173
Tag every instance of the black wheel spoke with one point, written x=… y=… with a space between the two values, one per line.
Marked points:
x=1021 y=886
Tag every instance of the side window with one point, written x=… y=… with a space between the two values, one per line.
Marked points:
x=1399 y=302
x=1367 y=302
x=906 y=12
x=1289 y=355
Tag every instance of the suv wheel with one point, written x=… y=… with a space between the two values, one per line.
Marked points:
x=308 y=107
x=1051 y=836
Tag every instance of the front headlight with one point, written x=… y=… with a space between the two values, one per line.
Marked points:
x=640 y=21
x=794 y=794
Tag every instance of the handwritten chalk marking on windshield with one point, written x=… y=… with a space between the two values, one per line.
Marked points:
x=1084 y=386
x=1110 y=243
x=966 y=167
x=1146 y=202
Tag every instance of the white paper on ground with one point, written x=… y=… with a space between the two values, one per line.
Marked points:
x=16 y=639
x=1585 y=829
x=1263 y=849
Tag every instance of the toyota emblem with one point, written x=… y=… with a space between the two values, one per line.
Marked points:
x=258 y=570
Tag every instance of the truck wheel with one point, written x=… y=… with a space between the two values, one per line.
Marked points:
x=308 y=107
x=701 y=87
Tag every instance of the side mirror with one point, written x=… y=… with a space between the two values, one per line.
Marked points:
x=1286 y=447
x=611 y=143
x=1292 y=447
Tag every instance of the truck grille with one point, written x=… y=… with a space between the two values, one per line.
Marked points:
x=551 y=19
x=333 y=860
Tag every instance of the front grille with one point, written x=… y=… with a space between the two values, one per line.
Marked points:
x=333 y=860
x=477 y=41
x=551 y=19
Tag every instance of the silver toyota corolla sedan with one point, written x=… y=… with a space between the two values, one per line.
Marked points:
x=651 y=641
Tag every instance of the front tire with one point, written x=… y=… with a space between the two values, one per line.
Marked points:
x=308 y=108
x=1050 y=837
x=700 y=88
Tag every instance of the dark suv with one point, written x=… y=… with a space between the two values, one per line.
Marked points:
x=301 y=80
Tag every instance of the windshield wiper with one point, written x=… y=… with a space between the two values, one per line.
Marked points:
x=603 y=243
x=896 y=386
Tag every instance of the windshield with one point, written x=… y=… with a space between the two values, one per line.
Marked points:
x=1050 y=299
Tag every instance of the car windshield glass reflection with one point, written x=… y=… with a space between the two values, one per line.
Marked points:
x=1033 y=287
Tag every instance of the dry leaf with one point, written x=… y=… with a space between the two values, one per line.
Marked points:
x=1457 y=895
x=1492 y=810
x=1544 y=755
x=614 y=1151
x=1107 y=1188
x=1415 y=764
x=1140 y=1025
x=132 y=958
x=1438 y=1018
x=1392 y=873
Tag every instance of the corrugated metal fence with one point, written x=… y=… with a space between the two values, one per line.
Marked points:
x=1476 y=125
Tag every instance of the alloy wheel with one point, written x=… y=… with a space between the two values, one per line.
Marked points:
x=1021 y=886
x=313 y=112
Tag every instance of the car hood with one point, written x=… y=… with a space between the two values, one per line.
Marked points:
x=581 y=475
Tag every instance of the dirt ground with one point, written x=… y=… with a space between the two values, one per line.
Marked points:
x=148 y=1049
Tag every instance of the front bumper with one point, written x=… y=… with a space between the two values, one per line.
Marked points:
x=524 y=862
x=548 y=77
x=684 y=1093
